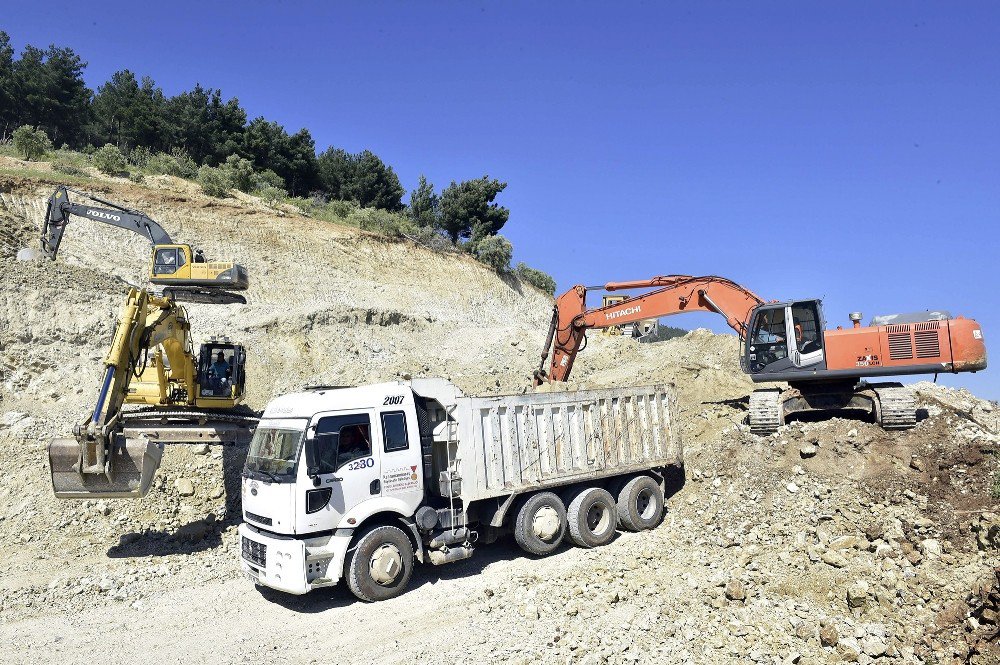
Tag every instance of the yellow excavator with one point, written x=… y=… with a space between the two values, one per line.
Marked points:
x=181 y=272
x=188 y=397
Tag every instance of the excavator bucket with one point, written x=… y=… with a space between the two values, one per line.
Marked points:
x=132 y=466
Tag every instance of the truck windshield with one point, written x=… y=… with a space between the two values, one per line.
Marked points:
x=274 y=453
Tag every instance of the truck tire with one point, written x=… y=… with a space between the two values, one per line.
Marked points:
x=379 y=564
x=592 y=516
x=640 y=504
x=541 y=524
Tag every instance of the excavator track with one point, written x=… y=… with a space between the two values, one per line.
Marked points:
x=189 y=425
x=765 y=411
x=897 y=406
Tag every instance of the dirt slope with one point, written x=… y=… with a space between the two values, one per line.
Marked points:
x=826 y=542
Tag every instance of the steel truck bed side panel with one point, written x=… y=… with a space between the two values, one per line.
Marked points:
x=523 y=442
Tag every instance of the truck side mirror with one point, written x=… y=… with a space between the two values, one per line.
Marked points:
x=312 y=468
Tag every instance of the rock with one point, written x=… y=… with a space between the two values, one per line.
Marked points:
x=735 y=590
x=805 y=630
x=828 y=636
x=851 y=433
x=218 y=492
x=849 y=650
x=184 y=487
x=200 y=449
x=930 y=547
x=844 y=543
x=857 y=594
x=834 y=558
x=531 y=612
x=808 y=451
x=916 y=463
x=792 y=488
x=874 y=645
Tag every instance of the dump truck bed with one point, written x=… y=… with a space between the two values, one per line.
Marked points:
x=516 y=443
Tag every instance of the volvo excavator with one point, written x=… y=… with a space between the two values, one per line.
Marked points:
x=186 y=396
x=785 y=342
x=180 y=272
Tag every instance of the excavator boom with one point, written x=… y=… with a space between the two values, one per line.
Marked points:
x=672 y=294
x=60 y=208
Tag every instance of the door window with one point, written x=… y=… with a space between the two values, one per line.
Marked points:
x=342 y=439
x=805 y=321
x=394 y=431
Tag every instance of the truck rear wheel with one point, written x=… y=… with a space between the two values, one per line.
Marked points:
x=592 y=516
x=379 y=565
x=640 y=504
x=541 y=524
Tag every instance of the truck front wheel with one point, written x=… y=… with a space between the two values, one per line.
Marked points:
x=379 y=565
x=541 y=524
x=640 y=504
x=592 y=516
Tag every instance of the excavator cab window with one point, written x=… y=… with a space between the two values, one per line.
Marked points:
x=167 y=260
x=220 y=369
x=767 y=341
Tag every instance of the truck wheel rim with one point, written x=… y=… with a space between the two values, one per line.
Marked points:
x=386 y=564
x=644 y=504
x=598 y=518
x=545 y=523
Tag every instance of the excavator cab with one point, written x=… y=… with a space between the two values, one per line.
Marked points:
x=784 y=337
x=220 y=373
x=177 y=265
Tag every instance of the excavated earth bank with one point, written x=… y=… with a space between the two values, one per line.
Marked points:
x=827 y=542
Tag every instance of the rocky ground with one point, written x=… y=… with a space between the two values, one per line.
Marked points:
x=830 y=541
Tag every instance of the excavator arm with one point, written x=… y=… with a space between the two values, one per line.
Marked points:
x=60 y=208
x=672 y=294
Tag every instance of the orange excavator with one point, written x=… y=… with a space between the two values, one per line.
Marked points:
x=786 y=342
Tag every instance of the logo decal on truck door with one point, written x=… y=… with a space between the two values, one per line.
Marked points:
x=400 y=479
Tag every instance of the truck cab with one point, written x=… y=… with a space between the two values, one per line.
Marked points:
x=320 y=464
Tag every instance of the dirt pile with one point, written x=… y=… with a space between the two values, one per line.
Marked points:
x=827 y=542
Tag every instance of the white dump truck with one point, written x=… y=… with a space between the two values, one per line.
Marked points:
x=360 y=483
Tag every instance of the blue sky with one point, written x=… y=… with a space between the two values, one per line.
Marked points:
x=849 y=151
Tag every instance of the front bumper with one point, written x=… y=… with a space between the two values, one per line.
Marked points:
x=289 y=564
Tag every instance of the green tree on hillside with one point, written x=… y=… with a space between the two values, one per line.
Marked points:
x=375 y=184
x=8 y=116
x=51 y=93
x=363 y=178
x=129 y=114
x=269 y=146
x=424 y=203
x=207 y=127
x=336 y=171
x=468 y=209
x=30 y=143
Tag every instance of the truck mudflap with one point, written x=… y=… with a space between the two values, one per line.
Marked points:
x=128 y=472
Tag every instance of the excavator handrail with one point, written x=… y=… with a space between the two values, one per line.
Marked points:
x=60 y=208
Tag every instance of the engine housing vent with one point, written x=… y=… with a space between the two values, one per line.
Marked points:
x=900 y=345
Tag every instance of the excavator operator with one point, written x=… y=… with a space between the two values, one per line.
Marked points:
x=220 y=369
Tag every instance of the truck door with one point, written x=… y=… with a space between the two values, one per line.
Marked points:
x=402 y=477
x=348 y=469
